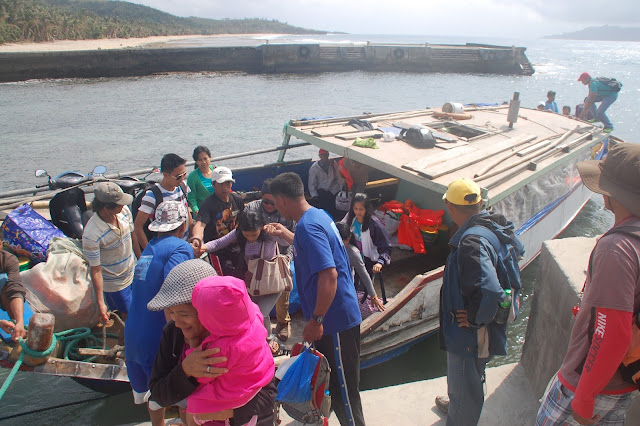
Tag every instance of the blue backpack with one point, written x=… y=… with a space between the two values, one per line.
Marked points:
x=507 y=265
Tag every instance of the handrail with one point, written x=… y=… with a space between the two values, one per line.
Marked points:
x=149 y=170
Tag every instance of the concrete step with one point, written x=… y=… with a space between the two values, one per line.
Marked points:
x=509 y=401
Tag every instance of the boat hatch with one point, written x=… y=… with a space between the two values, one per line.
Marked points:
x=456 y=129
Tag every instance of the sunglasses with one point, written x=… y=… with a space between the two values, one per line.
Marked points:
x=268 y=202
x=180 y=176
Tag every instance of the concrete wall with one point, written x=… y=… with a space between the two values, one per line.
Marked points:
x=270 y=58
x=126 y=62
x=561 y=276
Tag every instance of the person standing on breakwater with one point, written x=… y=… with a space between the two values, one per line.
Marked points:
x=599 y=91
x=199 y=180
x=591 y=387
x=325 y=287
x=480 y=277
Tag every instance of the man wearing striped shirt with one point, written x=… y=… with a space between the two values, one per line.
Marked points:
x=107 y=243
x=172 y=188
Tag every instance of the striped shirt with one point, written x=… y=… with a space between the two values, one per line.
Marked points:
x=110 y=247
x=148 y=203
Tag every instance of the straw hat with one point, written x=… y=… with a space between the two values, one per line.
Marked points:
x=617 y=176
x=178 y=286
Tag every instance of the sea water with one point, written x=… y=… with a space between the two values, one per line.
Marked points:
x=129 y=123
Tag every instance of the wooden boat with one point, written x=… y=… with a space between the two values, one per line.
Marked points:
x=525 y=166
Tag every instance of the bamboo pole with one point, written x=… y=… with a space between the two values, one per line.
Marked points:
x=528 y=157
x=490 y=166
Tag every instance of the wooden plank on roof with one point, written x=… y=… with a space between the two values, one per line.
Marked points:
x=450 y=145
x=333 y=130
x=437 y=157
x=352 y=136
x=486 y=149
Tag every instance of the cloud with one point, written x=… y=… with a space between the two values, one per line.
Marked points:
x=490 y=18
x=597 y=12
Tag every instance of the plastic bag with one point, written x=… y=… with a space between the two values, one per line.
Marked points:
x=295 y=386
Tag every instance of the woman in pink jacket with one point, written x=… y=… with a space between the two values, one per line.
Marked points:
x=235 y=326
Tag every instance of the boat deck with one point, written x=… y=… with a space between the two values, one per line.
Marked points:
x=483 y=147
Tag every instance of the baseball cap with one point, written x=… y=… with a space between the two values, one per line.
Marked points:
x=583 y=76
x=169 y=215
x=617 y=176
x=541 y=103
x=323 y=151
x=222 y=174
x=463 y=192
x=179 y=284
x=110 y=192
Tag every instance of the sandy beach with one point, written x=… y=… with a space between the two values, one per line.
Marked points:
x=144 y=42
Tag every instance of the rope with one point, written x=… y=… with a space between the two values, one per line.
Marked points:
x=26 y=350
x=70 y=340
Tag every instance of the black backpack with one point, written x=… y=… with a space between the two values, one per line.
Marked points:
x=418 y=138
x=613 y=84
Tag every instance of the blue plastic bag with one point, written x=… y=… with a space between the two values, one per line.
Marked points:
x=295 y=386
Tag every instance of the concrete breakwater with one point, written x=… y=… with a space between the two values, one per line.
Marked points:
x=513 y=390
x=266 y=58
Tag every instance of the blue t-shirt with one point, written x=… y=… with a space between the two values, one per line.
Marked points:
x=143 y=328
x=317 y=246
x=551 y=106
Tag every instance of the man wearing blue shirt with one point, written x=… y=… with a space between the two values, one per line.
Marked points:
x=326 y=291
x=598 y=92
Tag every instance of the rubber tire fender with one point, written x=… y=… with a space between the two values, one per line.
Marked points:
x=304 y=51
x=398 y=53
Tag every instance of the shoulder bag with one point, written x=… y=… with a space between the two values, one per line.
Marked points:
x=268 y=276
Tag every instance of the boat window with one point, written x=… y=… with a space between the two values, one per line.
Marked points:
x=457 y=129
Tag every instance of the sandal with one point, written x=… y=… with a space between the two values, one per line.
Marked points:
x=277 y=349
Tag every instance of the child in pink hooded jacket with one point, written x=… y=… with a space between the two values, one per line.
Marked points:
x=236 y=327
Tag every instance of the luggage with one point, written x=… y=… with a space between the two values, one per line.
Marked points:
x=62 y=286
x=29 y=234
x=303 y=391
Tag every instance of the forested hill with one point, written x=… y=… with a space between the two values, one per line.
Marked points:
x=49 y=20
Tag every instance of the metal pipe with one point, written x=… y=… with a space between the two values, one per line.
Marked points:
x=149 y=170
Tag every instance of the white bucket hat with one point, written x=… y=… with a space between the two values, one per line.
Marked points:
x=169 y=215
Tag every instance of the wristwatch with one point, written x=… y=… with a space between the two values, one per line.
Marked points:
x=318 y=318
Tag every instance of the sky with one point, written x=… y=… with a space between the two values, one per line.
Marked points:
x=491 y=18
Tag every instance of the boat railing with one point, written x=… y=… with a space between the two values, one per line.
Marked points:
x=150 y=170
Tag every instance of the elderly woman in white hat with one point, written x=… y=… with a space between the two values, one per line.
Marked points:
x=174 y=375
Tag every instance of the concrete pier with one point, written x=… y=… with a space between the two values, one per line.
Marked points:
x=513 y=390
x=266 y=58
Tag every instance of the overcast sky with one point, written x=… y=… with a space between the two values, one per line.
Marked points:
x=491 y=18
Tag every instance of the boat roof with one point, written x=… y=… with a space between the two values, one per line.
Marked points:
x=477 y=144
